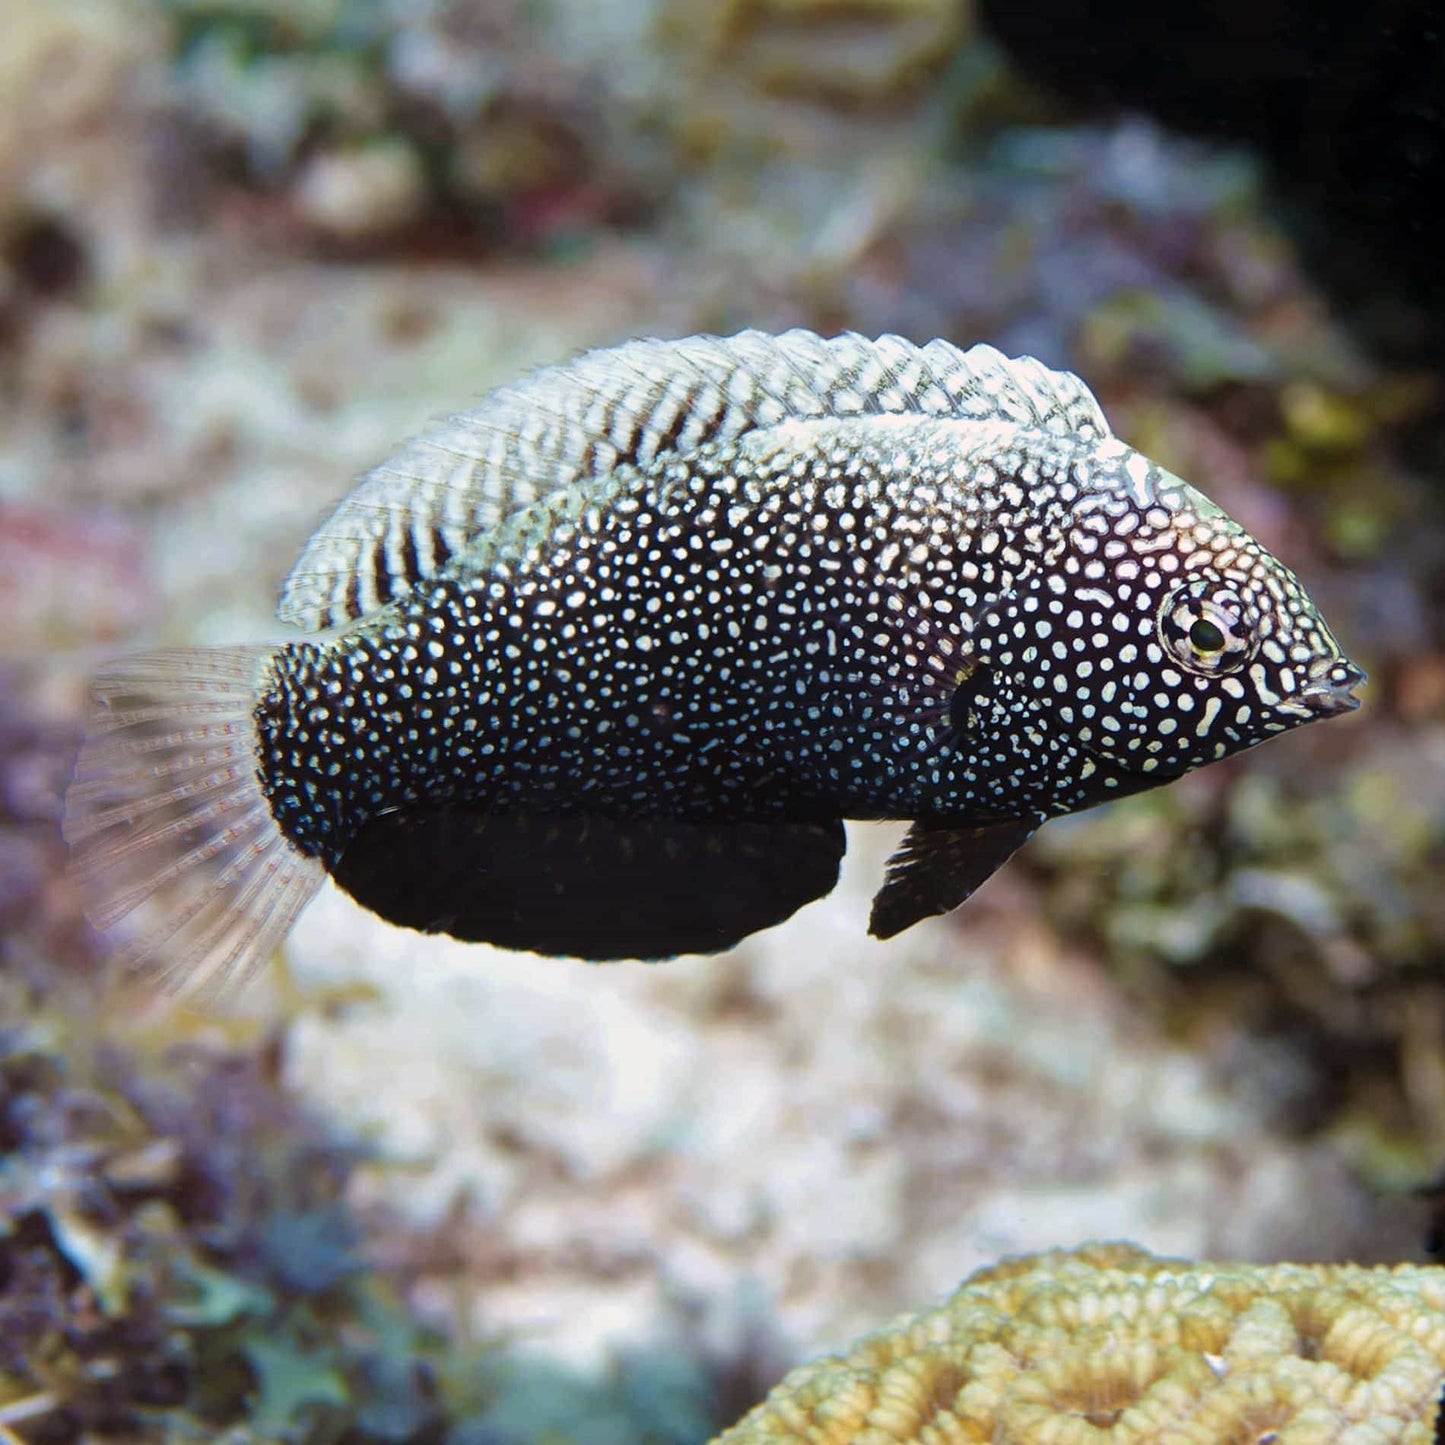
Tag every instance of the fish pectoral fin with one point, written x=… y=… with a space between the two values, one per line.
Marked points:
x=588 y=887
x=938 y=867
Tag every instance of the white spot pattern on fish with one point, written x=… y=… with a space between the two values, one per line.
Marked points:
x=616 y=652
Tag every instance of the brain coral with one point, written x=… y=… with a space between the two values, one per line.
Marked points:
x=1112 y=1346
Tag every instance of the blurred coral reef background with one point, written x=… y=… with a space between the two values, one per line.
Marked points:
x=410 y=1191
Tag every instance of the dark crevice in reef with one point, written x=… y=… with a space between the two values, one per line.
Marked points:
x=1346 y=103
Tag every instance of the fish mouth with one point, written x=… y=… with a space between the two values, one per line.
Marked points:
x=1330 y=690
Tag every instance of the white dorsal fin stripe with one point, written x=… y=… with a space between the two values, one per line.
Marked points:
x=629 y=405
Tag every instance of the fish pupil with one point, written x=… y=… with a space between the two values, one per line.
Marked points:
x=1205 y=636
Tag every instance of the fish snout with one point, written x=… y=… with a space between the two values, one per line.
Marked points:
x=1331 y=685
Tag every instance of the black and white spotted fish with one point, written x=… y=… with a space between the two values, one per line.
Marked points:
x=600 y=666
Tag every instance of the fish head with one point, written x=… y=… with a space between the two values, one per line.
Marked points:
x=1190 y=640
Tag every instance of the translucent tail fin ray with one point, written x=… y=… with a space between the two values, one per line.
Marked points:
x=184 y=867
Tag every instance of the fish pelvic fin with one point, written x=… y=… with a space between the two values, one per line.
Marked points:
x=937 y=867
x=182 y=866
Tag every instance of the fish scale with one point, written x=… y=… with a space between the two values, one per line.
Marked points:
x=730 y=655
x=614 y=654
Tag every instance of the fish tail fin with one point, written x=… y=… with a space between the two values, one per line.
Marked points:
x=184 y=868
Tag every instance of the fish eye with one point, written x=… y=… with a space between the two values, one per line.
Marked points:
x=1204 y=636
x=1206 y=628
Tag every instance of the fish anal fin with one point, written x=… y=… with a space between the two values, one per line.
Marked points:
x=587 y=887
x=937 y=867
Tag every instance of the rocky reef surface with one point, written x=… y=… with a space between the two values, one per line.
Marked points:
x=407 y=1190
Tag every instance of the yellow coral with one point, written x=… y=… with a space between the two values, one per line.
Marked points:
x=1113 y=1346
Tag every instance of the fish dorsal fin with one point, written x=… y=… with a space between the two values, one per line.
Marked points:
x=629 y=404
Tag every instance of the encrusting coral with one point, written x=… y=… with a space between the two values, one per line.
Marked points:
x=1110 y=1345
